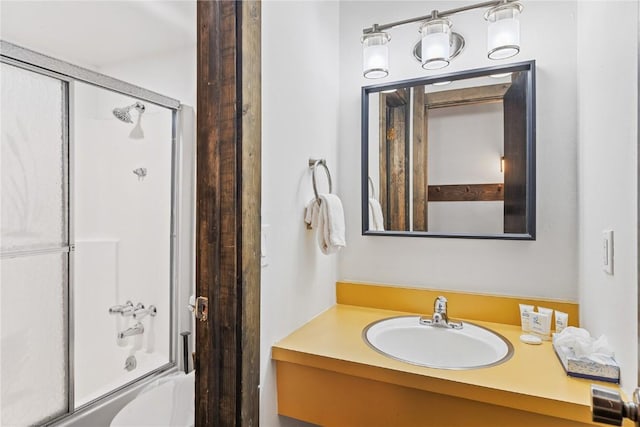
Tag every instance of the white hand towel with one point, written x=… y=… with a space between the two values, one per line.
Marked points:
x=376 y=220
x=330 y=224
x=311 y=213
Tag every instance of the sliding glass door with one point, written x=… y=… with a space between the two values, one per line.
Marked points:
x=87 y=239
x=34 y=271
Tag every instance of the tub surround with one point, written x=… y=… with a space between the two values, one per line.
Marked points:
x=328 y=375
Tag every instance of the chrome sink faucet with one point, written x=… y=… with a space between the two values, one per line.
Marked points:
x=440 y=318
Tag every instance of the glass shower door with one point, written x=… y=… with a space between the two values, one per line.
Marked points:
x=34 y=232
x=87 y=239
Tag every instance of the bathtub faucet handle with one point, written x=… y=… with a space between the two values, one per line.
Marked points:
x=131 y=309
x=139 y=313
x=121 y=308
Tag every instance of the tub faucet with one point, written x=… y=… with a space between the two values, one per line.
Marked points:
x=440 y=318
x=136 y=329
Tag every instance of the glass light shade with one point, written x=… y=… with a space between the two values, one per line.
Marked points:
x=436 y=42
x=503 y=32
x=375 y=55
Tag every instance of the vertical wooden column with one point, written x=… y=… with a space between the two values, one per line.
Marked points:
x=383 y=191
x=420 y=166
x=515 y=155
x=228 y=213
x=394 y=159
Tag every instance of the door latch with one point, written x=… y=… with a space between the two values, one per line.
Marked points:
x=201 y=309
x=607 y=406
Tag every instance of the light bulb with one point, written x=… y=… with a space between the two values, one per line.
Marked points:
x=436 y=42
x=503 y=31
x=375 y=55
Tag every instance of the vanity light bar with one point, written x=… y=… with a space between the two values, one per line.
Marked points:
x=438 y=43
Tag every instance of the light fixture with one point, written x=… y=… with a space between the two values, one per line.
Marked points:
x=499 y=75
x=443 y=83
x=438 y=45
x=375 y=55
x=502 y=164
x=436 y=35
x=503 y=33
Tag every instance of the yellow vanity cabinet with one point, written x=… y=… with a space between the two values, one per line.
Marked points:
x=328 y=375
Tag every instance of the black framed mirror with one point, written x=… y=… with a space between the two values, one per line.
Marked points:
x=451 y=155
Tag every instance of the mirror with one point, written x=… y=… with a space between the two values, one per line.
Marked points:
x=451 y=155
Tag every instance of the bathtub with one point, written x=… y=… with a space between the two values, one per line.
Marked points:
x=168 y=401
x=112 y=376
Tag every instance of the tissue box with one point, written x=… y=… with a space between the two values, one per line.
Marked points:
x=581 y=367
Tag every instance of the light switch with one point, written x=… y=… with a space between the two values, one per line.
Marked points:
x=264 y=260
x=607 y=251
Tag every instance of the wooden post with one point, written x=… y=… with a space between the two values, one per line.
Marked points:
x=420 y=166
x=228 y=213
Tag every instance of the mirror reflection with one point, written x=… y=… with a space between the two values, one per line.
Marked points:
x=451 y=156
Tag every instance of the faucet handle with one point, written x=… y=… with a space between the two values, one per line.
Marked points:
x=139 y=313
x=440 y=305
x=127 y=306
x=131 y=309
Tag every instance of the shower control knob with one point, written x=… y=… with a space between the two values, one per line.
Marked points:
x=121 y=308
x=130 y=310
x=142 y=312
x=609 y=408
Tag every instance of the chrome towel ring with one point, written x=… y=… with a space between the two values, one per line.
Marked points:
x=313 y=164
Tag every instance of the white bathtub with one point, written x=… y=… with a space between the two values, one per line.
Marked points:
x=100 y=414
x=168 y=401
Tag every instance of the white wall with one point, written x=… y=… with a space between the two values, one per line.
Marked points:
x=465 y=146
x=546 y=267
x=608 y=158
x=171 y=73
x=299 y=106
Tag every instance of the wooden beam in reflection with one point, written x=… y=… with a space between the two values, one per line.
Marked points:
x=466 y=96
x=466 y=193
x=420 y=161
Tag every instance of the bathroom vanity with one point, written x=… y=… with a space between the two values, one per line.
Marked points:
x=328 y=375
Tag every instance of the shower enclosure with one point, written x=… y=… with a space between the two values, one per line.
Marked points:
x=88 y=236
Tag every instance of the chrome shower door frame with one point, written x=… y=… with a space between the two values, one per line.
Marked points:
x=68 y=74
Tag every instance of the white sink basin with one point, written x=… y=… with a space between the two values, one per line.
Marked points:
x=405 y=339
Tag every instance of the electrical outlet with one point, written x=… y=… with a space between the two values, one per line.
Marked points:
x=607 y=251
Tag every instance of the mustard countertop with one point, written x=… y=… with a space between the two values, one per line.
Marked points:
x=532 y=380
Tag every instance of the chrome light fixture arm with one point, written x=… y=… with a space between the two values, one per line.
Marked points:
x=375 y=28
x=439 y=44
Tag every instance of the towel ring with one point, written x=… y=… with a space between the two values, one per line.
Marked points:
x=372 y=187
x=313 y=164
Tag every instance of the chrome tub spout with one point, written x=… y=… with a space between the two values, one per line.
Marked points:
x=136 y=329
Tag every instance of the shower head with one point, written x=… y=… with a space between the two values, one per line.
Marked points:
x=123 y=113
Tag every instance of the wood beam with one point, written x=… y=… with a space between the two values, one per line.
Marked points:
x=228 y=213
x=466 y=96
x=466 y=193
